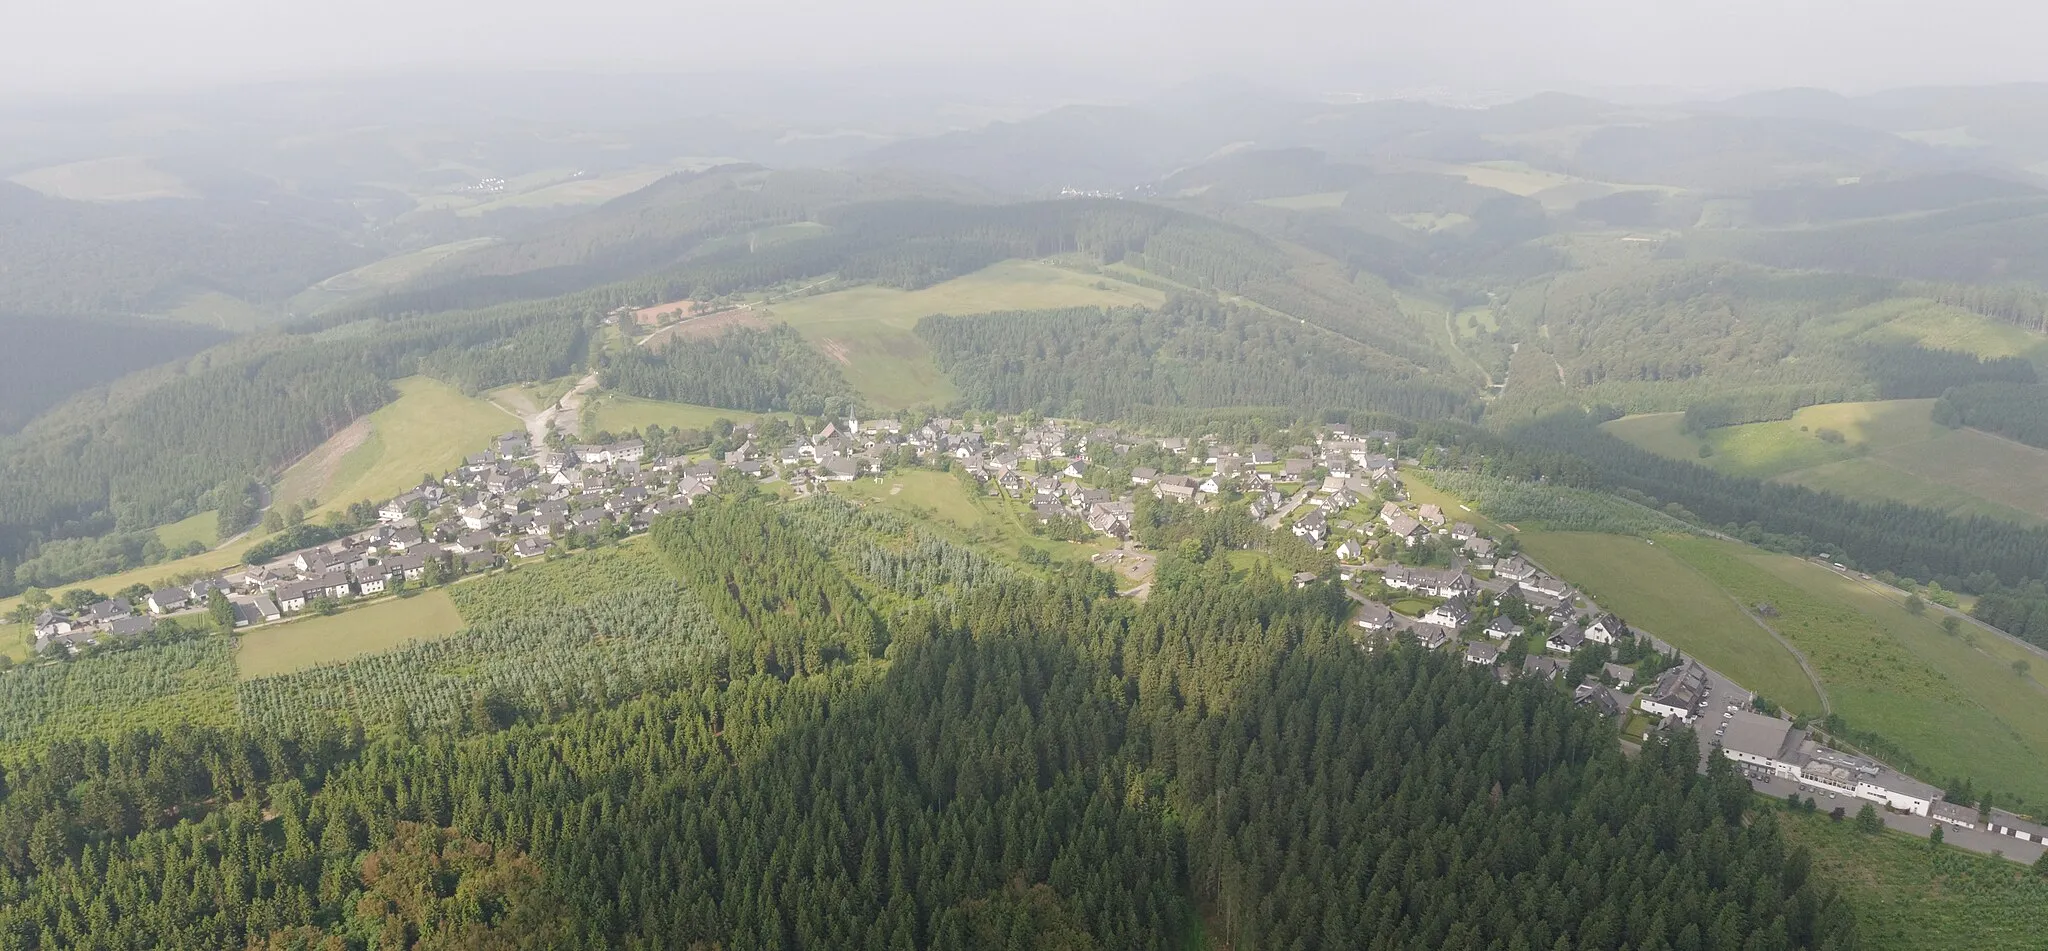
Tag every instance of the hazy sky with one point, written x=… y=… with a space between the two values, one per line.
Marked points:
x=1854 y=45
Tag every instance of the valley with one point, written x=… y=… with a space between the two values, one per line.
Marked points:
x=687 y=514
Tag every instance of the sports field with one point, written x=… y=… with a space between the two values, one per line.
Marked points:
x=379 y=626
x=1890 y=450
x=429 y=429
x=868 y=329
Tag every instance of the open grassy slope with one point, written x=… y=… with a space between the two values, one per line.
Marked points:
x=430 y=428
x=1655 y=590
x=1889 y=450
x=378 y=276
x=1952 y=703
x=868 y=329
x=311 y=641
x=1909 y=897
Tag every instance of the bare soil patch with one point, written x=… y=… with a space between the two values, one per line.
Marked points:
x=710 y=325
x=315 y=472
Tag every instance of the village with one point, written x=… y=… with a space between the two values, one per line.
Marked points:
x=1413 y=571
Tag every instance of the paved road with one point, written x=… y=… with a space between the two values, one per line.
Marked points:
x=1975 y=840
x=1273 y=521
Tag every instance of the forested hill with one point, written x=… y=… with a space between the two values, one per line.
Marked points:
x=1193 y=353
x=1037 y=766
x=72 y=257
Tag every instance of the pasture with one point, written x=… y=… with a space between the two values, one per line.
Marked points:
x=196 y=528
x=1953 y=703
x=429 y=429
x=123 y=178
x=868 y=329
x=216 y=309
x=378 y=275
x=378 y=626
x=617 y=413
x=1909 y=896
x=1641 y=580
x=1890 y=450
x=1306 y=202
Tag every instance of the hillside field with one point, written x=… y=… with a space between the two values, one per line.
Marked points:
x=429 y=429
x=617 y=413
x=1909 y=896
x=1641 y=580
x=1951 y=703
x=1890 y=450
x=195 y=528
x=939 y=499
x=312 y=641
x=378 y=276
x=868 y=329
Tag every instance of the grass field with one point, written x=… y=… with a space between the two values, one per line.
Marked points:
x=1910 y=897
x=1307 y=202
x=868 y=329
x=379 y=626
x=1941 y=327
x=617 y=412
x=126 y=178
x=940 y=499
x=1952 y=703
x=227 y=312
x=377 y=276
x=198 y=528
x=581 y=191
x=430 y=428
x=1891 y=450
x=1645 y=583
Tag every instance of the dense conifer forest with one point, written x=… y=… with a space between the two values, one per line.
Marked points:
x=763 y=371
x=1035 y=765
x=1192 y=353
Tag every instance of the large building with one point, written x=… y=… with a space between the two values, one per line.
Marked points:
x=1772 y=744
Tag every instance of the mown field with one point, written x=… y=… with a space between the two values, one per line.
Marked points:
x=617 y=413
x=430 y=428
x=1889 y=450
x=868 y=329
x=379 y=626
x=1909 y=896
x=1650 y=587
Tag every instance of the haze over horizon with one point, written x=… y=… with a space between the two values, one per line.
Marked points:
x=1690 y=47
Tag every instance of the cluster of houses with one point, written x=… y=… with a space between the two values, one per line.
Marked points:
x=513 y=501
x=1774 y=748
x=111 y=617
